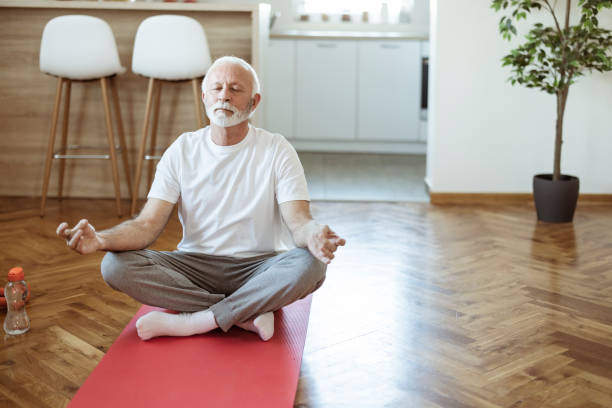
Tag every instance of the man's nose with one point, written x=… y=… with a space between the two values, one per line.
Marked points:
x=224 y=95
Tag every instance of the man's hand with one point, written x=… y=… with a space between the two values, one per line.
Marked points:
x=323 y=242
x=320 y=240
x=83 y=238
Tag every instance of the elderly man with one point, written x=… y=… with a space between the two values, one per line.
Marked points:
x=249 y=246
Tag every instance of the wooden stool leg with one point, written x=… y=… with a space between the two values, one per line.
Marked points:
x=49 y=160
x=111 y=143
x=141 y=149
x=62 y=163
x=124 y=150
x=153 y=141
x=197 y=93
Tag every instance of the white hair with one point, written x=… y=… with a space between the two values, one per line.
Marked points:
x=236 y=61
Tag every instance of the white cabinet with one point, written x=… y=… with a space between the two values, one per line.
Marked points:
x=389 y=89
x=345 y=94
x=278 y=92
x=326 y=89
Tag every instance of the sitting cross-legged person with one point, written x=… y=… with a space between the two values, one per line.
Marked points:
x=250 y=245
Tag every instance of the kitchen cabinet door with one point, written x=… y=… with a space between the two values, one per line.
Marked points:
x=278 y=88
x=389 y=90
x=326 y=90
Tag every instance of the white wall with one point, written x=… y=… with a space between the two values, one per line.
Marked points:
x=486 y=136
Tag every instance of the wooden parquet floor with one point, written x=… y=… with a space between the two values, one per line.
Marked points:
x=426 y=306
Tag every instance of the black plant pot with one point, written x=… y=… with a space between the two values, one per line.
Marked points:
x=555 y=201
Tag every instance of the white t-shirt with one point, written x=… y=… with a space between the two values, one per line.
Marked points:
x=228 y=196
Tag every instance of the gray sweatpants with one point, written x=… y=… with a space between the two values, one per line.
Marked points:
x=234 y=289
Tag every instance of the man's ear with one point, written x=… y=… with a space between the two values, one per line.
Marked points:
x=203 y=96
x=256 y=100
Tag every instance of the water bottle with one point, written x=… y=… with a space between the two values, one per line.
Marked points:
x=16 y=293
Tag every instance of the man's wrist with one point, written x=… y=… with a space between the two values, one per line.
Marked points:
x=307 y=231
x=102 y=244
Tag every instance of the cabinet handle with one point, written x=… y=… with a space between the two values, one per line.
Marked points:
x=326 y=45
x=390 y=46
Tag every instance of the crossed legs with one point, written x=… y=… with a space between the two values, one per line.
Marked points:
x=212 y=291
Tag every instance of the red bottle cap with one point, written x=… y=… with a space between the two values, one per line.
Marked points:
x=16 y=274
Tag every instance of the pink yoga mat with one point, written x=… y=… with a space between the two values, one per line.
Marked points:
x=233 y=369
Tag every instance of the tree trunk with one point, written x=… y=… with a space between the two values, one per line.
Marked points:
x=561 y=100
x=562 y=95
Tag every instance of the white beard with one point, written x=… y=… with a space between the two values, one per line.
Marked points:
x=220 y=119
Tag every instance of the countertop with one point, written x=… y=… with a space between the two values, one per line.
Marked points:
x=125 y=5
x=352 y=35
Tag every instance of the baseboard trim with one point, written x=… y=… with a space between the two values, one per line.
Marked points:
x=479 y=198
x=352 y=146
x=595 y=198
x=505 y=198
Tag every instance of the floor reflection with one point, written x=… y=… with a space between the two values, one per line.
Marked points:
x=434 y=306
x=554 y=244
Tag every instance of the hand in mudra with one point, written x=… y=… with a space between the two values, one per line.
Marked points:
x=323 y=243
x=82 y=238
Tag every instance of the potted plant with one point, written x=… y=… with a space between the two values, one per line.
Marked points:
x=551 y=59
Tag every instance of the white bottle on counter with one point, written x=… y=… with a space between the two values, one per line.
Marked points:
x=384 y=13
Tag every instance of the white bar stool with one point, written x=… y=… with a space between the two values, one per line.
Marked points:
x=167 y=48
x=81 y=48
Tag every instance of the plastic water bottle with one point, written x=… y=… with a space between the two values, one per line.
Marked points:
x=16 y=293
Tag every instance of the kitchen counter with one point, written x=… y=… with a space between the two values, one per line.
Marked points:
x=28 y=95
x=126 y=5
x=352 y=35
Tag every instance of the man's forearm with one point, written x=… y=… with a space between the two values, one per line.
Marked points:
x=127 y=236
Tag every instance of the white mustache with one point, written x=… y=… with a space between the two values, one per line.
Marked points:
x=220 y=119
x=224 y=105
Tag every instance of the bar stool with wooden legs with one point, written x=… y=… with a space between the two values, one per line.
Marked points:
x=167 y=48
x=81 y=48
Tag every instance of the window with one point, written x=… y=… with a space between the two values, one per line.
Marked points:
x=376 y=9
